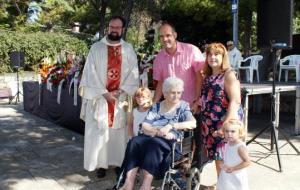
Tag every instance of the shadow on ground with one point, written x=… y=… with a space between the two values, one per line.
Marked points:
x=38 y=155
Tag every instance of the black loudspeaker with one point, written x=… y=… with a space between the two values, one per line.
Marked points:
x=274 y=22
x=16 y=59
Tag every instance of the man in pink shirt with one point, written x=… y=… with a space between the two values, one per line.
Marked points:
x=180 y=60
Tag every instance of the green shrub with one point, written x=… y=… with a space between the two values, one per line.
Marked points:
x=36 y=46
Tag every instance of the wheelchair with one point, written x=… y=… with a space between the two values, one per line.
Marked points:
x=183 y=174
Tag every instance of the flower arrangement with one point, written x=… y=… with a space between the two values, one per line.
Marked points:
x=44 y=68
x=146 y=71
x=75 y=69
x=64 y=68
x=56 y=75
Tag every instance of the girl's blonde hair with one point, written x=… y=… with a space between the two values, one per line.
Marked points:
x=143 y=92
x=216 y=48
x=236 y=122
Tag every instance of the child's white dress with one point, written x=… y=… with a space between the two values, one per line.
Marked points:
x=138 y=118
x=237 y=180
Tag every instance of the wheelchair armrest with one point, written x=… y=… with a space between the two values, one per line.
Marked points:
x=185 y=144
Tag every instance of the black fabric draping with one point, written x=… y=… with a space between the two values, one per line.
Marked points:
x=64 y=114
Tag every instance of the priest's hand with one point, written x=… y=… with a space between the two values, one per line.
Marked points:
x=109 y=97
x=116 y=93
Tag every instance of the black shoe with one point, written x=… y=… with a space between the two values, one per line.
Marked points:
x=101 y=173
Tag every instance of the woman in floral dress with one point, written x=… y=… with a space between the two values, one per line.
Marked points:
x=220 y=100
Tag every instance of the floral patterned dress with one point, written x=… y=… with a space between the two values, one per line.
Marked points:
x=214 y=105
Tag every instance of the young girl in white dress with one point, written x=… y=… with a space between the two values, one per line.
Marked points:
x=143 y=100
x=233 y=174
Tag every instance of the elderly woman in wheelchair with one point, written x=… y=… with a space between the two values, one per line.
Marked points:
x=151 y=151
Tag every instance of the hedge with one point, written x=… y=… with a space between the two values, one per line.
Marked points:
x=36 y=46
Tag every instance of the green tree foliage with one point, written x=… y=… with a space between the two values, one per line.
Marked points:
x=12 y=13
x=296 y=20
x=211 y=20
x=56 y=12
x=198 y=20
x=247 y=26
x=195 y=20
x=37 y=45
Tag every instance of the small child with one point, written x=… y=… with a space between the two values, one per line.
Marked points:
x=143 y=100
x=233 y=174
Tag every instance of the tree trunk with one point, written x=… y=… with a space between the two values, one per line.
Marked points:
x=17 y=7
x=102 y=13
x=248 y=31
x=126 y=14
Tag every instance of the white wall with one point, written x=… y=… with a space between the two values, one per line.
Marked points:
x=10 y=80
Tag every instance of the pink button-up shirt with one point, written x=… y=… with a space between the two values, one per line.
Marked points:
x=186 y=61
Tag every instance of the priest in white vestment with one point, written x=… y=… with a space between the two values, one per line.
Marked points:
x=110 y=77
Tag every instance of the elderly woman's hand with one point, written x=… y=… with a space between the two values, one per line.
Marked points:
x=165 y=130
x=189 y=127
x=170 y=136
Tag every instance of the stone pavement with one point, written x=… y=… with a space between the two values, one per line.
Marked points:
x=38 y=155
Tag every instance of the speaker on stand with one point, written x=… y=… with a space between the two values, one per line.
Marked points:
x=274 y=22
x=274 y=32
x=17 y=62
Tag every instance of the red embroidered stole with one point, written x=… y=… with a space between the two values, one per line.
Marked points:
x=114 y=61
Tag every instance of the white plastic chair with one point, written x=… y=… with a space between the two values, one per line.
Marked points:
x=293 y=63
x=234 y=61
x=254 y=59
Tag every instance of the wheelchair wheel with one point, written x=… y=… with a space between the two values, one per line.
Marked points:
x=170 y=186
x=193 y=181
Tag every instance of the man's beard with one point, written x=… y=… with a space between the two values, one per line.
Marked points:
x=114 y=36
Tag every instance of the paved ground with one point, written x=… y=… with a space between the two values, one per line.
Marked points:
x=38 y=155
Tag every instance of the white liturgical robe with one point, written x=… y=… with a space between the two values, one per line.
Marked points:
x=105 y=146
